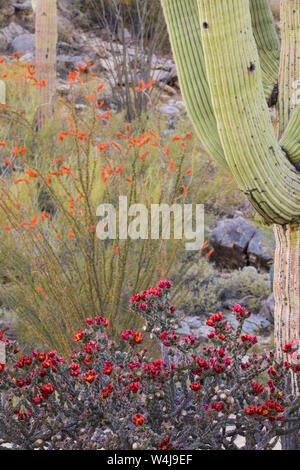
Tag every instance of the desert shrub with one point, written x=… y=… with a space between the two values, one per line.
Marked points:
x=201 y=285
x=136 y=32
x=53 y=268
x=108 y=397
x=246 y=282
x=206 y=288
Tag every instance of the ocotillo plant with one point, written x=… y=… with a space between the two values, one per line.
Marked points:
x=45 y=49
x=231 y=68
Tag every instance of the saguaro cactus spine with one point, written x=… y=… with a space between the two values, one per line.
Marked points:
x=236 y=45
x=45 y=47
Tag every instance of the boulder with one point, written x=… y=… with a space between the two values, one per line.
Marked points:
x=255 y=324
x=268 y=308
x=11 y=31
x=230 y=240
x=237 y=243
x=25 y=6
x=169 y=110
x=24 y=43
x=260 y=250
x=4 y=43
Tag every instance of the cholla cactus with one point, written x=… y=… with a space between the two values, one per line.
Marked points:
x=45 y=46
x=230 y=68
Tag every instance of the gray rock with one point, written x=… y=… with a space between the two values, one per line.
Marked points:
x=169 y=110
x=195 y=326
x=24 y=43
x=268 y=308
x=253 y=325
x=184 y=329
x=261 y=249
x=244 y=302
x=4 y=43
x=230 y=240
x=12 y=31
x=238 y=243
x=25 y=6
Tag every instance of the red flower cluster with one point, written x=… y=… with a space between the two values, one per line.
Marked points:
x=47 y=390
x=169 y=339
x=89 y=376
x=156 y=292
x=164 y=284
x=214 y=319
x=195 y=386
x=265 y=410
x=132 y=336
x=240 y=312
x=165 y=445
x=25 y=360
x=138 y=420
x=134 y=386
x=217 y=406
x=249 y=339
x=75 y=370
x=291 y=346
x=78 y=335
x=97 y=321
x=106 y=391
x=156 y=368
x=258 y=389
x=108 y=368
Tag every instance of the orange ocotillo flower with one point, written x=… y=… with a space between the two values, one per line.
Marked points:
x=31 y=173
x=209 y=253
x=20 y=180
x=144 y=86
x=9 y=162
x=42 y=290
x=71 y=234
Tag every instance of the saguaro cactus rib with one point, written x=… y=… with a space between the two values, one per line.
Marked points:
x=267 y=44
x=184 y=32
x=45 y=46
x=290 y=140
x=289 y=75
x=233 y=70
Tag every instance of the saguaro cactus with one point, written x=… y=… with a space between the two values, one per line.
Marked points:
x=45 y=47
x=231 y=67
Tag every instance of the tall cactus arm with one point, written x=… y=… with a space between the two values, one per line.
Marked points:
x=185 y=37
x=290 y=141
x=289 y=76
x=252 y=151
x=268 y=46
x=45 y=47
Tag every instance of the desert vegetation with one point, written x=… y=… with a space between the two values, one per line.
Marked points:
x=105 y=105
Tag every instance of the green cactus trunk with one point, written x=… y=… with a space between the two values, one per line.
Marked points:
x=45 y=49
x=227 y=55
